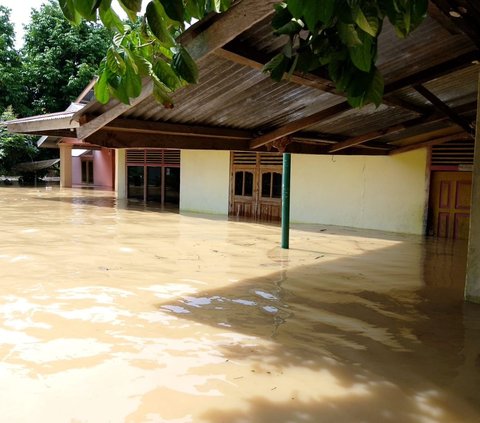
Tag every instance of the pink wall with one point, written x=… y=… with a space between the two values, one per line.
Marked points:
x=103 y=168
x=76 y=171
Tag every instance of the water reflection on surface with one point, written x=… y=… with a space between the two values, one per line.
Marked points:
x=113 y=313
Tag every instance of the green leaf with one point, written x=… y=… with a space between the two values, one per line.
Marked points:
x=121 y=94
x=419 y=11
x=69 y=11
x=308 y=62
x=375 y=90
x=368 y=24
x=359 y=83
x=363 y=55
x=185 y=66
x=86 y=8
x=160 y=94
x=195 y=8
x=109 y=18
x=225 y=5
x=115 y=62
x=315 y=11
x=216 y=5
x=133 y=83
x=132 y=5
x=143 y=65
x=165 y=74
x=282 y=16
x=174 y=9
x=296 y=8
x=131 y=8
x=101 y=88
x=291 y=28
x=348 y=34
x=157 y=22
x=277 y=67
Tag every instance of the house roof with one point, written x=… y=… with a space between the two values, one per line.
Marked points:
x=431 y=81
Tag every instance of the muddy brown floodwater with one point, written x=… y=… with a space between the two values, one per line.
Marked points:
x=121 y=313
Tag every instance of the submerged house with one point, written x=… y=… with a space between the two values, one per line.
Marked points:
x=406 y=166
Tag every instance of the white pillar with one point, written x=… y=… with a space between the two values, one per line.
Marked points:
x=120 y=173
x=65 y=166
x=472 y=283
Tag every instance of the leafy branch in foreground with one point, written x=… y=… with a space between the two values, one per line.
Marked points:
x=146 y=47
x=340 y=36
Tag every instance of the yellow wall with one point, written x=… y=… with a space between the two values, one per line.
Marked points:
x=204 y=181
x=372 y=192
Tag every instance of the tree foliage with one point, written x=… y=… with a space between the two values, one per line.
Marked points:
x=11 y=87
x=14 y=148
x=59 y=59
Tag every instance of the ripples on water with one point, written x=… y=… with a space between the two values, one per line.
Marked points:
x=129 y=313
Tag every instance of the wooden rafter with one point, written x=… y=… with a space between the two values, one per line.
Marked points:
x=395 y=129
x=95 y=124
x=442 y=107
x=463 y=15
x=239 y=18
x=116 y=139
x=299 y=124
x=238 y=53
x=308 y=80
x=162 y=128
x=459 y=136
x=460 y=62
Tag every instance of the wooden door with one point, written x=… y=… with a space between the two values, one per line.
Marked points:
x=450 y=199
x=255 y=186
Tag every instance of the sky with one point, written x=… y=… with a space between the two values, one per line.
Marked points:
x=20 y=14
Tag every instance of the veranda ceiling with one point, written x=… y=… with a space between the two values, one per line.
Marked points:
x=430 y=94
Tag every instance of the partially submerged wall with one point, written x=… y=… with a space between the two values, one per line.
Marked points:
x=204 y=181
x=372 y=192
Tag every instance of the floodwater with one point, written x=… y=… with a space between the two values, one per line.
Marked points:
x=121 y=313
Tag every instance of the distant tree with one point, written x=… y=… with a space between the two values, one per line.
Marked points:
x=11 y=87
x=59 y=59
x=14 y=148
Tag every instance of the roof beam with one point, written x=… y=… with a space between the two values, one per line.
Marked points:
x=395 y=129
x=299 y=124
x=442 y=107
x=95 y=124
x=301 y=148
x=163 y=128
x=464 y=18
x=237 y=53
x=241 y=16
x=252 y=60
x=115 y=139
x=459 y=136
x=461 y=62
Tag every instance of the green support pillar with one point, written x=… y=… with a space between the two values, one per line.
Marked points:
x=286 y=200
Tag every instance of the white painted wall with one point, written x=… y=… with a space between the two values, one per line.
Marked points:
x=372 y=192
x=204 y=181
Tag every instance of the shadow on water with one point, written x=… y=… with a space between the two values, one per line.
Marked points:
x=380 y=351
